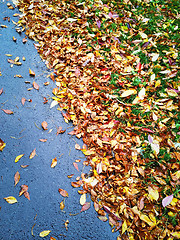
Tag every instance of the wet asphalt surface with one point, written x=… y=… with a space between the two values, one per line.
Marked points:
x=21 y=134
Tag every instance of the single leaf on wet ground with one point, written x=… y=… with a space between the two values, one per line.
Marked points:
x=11 y=199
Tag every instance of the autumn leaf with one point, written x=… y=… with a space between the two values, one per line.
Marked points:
x=7 y=111
x=176 y=235
x=43 y=140
x=23 y=100
x=18 y=158
x=2 y=145
x=63 y=192
x=86 y=206
x=52 y=238
x=1 y=91
x=35 y=85
x=44 y=125
x=128 y=93
x=44 y=233
x=16 y=178
x=26 y=194
x=62 y=205
x=124 y=227
x=24 y=188
x=77 y=146
x=33 y=153
x=167 y=200
x=76 y=166
x=146 y=219
x=24 y=166
x=11 y=199
x=31 y=72
x=60 y=131
x=54 y=162
x=83 y=199
x=153 y=193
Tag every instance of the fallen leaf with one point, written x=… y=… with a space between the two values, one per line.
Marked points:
x=24 y=188
x=60 y=131
x=86 y=206
x=167 y=200
x=33 y=153
x=18 y=158
x=54 y=162
x=124 y=227
x=1 y=91
x=24 y=166
x=176 y=235
x=128 y=93
x=77 y=146
x=76 y=166
x=23 y=100
x=146 y=219
x=52 y=238
x=2 y=145
x=26 y=194
x=44 y=125
x=11 y=199
x=35 y=85
x=103 y=218
x=83 y=199
x=16 y=178
x=63 y=192
x=31 y=72
x=153 y=193
x=53 y=103
x=62 y=205
x=44 y=233
x=43 y=140
x=7 y=111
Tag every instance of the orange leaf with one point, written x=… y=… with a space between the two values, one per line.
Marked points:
x=2 y=145
x=26 y=194
x=60 y=131
x=24 y=188
x=63 y=192
x=43 y=140
x=1 y=91
x=31 y=72
x=77 y=146
x=86 y=206
x=24 y=166
x=35 y=86
x=16 y=178
x=32 y=154
x=44 y=125
x=7 y=111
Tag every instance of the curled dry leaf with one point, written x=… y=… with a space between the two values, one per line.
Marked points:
x=33 y=153
x=44 y=125
x=31 y=73
x=35 y=85
x=11 y=199
x=60 y=131
x=63 y=192
x=7 y=111
x=2 y=145
x=44 y=233
x=16 y=178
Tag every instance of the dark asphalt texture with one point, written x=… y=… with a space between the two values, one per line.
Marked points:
x=21 y=136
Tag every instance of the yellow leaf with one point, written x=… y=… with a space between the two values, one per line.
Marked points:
x=62 y=205
x=124 y=227
x=83 y=199
x=158 y=83
x=176 y=234
x=106 y=9
x=128 y=93
x=54 y=162
x=44 y=233
x=11 y=199
x=145 y=218
x=18 y=158
x=2 y=145
x=153 y=193
x=118 y=57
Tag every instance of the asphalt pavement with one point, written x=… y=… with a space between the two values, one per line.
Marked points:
x=21 y=132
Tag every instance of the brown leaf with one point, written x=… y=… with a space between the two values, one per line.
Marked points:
x=43 y=140
x=2 y=144
x=23 y=100
x=76 y=184
x=140 y=203
x=7 y=111
x=24 y=188
x=60 y=131
x=86 y=206
x=44 y=125
x=76 y=166
x=1 y=91
x=32 y=154
x=177 y=155
x=31 y=72
x=35 y=85
x=63 y=192
x=16 y=178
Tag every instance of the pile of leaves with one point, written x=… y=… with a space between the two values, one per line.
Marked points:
x=115 y=64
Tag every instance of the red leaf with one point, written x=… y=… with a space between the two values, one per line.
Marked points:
x=76 y=166
x=44 y=125
x=1 y=91
x=7 y=111
x=147 y=130
x=63 y=192
x=23 y=101
x=35 y=86
x=86 y=206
